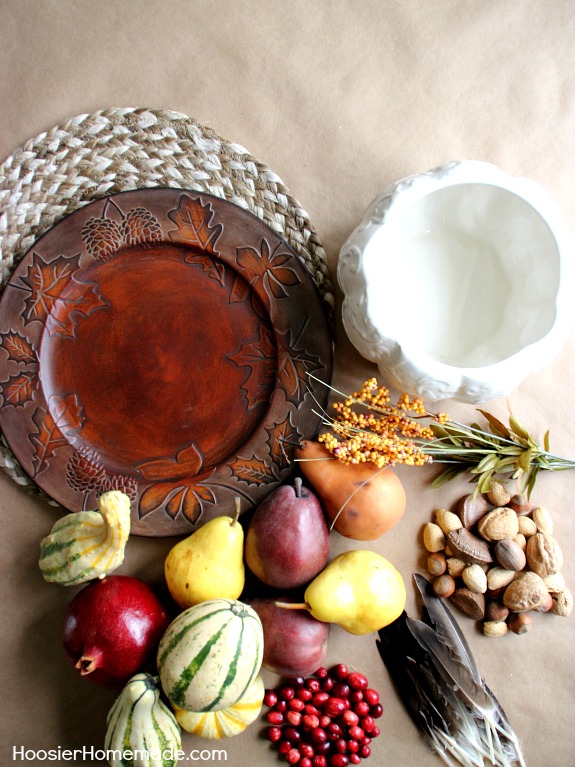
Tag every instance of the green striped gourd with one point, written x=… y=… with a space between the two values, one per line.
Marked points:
x=86 y=545
x=210 y=655
x=142 y=731
x=228 y=721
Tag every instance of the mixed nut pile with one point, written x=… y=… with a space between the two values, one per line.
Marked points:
x=495 y=558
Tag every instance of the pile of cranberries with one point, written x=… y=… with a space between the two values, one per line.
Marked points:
x=326 y=720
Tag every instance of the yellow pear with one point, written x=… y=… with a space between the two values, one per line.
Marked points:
x=208 y=564
x=358 y=590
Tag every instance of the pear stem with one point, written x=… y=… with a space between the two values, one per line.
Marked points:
x=297 y=484
x=237 y=502
x=292 y=605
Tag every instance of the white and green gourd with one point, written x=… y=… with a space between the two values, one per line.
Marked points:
x=210 y=655
x=226 y=722
x=86 y=545
x=142 y=731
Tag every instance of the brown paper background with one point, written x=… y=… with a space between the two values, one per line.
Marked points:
x=339 y=98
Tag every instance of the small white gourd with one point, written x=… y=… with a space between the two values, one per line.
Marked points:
x=86 y=545
x=142 y=731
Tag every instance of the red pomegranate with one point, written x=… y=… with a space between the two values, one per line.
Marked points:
x=112 y=628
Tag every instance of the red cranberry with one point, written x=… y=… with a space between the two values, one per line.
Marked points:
x=322 y=748
x=270 y=698
x=293 y=756
x=305 y=762
x=340 y=745
x=356 y=695
x=294 y=717
x=357 y=681
x=283 y=747
x=321 y=673
x=327 y=684
x=310 y=721
x=324 y=721
x=339 y=672
x=362 y=708
x=368 y=723
x=296 y=705
x=292 y=734
x=274 y=734
x=375 y=732
x=275 y=717
x=355 y=759
x=349 y=718
x=320 y=698
x=318 y=735
x=334 y=707
x=339 y=760
x=319 y=761
x=341 y=690
x=356 y=732
x=365 y=741
x=306 y=749
x=364 y=752
x=310 y=709
x=286 y=693
x=281 y=705
x=304 y=694
x=376 y=711
x=371 y=696
x=314 y=685
x=353 y=746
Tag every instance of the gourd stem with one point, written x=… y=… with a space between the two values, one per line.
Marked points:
x=292 y=605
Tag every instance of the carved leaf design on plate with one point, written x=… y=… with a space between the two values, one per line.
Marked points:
x=18 y=347
x=253 y=471
x=294 y=364
x=282 y=441
x=187 y=463
x=18 y=389
x=46 y=303
x=265 y=264
x=260 y=358
x=195 y=228
x=177 y=498
x=53 y=431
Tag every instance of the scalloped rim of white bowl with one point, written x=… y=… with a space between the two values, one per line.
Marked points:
x=405 y=366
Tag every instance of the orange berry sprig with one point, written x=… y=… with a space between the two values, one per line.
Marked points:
x=367 y=427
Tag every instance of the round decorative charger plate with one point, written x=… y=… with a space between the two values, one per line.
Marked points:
x=160 y=341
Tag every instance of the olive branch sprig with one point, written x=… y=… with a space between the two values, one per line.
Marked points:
x=367 y=427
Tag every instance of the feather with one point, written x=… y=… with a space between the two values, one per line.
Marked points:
x=437 y=677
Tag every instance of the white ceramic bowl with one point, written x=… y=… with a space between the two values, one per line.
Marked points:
x=458 y=282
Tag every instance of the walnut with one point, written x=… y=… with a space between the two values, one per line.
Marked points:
x=527 y=592
x=544 y=556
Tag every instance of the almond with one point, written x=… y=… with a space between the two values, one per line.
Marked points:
x=447 y=520
x=527 y=526
x=543 y=521
x=433 y=537
x=562 y=603
x=499 y=577
x=494 y=628
x=475 y=579
x=498 y=494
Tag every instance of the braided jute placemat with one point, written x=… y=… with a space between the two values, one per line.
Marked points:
x=115 y=150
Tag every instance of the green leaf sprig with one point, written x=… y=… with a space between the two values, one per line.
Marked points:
x=503 y=450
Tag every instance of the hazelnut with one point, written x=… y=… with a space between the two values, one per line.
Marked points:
x=520 y=504
x=520 y=623
x=433 y=537
x=444 y=586
x=495 y=611
x=436 y=563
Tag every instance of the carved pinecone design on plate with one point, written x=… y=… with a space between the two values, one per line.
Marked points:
x=140 y=226
x=102 y=237
x=126 y=485
x=85 y=472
